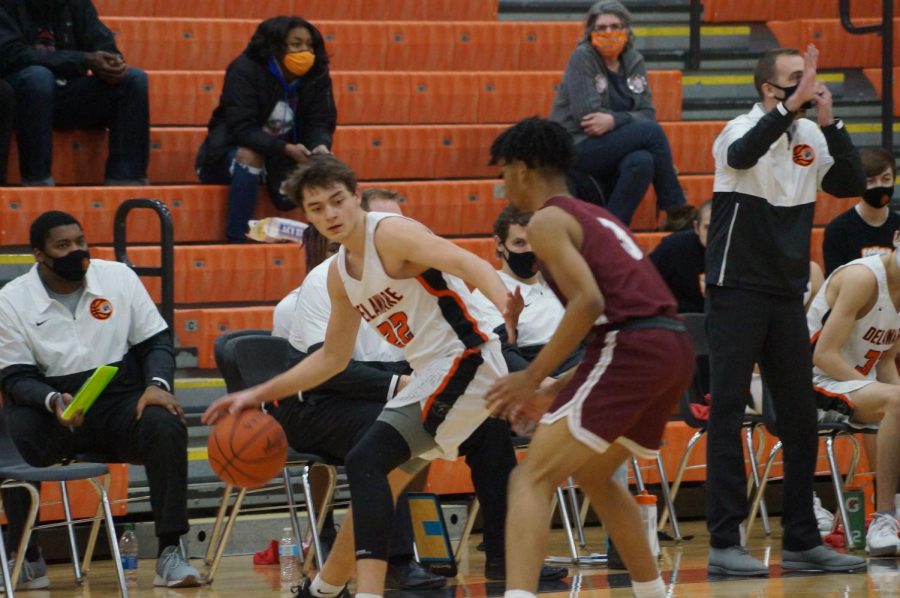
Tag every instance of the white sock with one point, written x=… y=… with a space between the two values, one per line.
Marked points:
x=518 y=594
x=323 y=589
x=368 y=596
x=649 y=589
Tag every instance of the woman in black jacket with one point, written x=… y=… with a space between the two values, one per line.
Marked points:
x=276 y=109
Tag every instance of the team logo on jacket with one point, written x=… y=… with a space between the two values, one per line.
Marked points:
x=101 y=309
x=804 y=155
x=600 y=83
x=637 y=84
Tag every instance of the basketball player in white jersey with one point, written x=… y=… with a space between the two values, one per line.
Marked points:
x=854 y=326
x=407 y=283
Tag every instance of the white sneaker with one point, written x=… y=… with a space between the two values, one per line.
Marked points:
x=823 y=517
x=897 y=506
x=881 y=539
x=33 y=575
x=173 y=571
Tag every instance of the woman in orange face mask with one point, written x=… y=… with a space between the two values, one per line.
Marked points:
x=604 y=101
x=276 y=109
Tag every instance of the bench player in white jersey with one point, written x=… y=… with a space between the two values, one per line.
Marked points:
x=854 y=326
x=408 y=284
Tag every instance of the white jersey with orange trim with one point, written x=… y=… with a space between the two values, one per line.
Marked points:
x=427 y=316
x=872 y=335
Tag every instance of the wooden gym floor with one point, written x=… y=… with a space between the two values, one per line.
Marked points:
x=683 y=565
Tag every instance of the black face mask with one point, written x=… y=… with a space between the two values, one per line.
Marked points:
x=72 y=266
x=789 y=91
x=878 y=197
x=522 y=264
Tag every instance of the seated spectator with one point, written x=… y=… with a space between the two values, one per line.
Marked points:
x=541 y=311
x=332 y=418
x=64 y=318
x=48 y=49
x=7 y=108
x=604 y=102
x=854 y=327
x=868 y=227
x=681 y=260
x=276 y=109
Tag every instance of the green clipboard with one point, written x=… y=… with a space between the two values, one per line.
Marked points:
x=90 y=390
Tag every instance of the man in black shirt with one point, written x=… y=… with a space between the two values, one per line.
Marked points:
x=868 y=227
x=47 y=49
x=681 y=259
x=770 y=163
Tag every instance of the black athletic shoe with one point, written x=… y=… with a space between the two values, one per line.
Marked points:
x=410 y=575
x=495 y=569
x=303 y=590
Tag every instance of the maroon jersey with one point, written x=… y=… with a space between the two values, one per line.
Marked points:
x=631 y=286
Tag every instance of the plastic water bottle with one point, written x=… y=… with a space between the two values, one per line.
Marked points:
x=289 y=557
x=274 y=229
x=128 y=551
x=647 y=504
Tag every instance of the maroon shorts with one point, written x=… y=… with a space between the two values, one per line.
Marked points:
x=626 y=388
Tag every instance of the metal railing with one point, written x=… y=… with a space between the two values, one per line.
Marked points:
x=886 y=30
x=166 y=270
x=692 y=60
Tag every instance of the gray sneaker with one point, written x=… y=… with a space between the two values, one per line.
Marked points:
x=173 y=571
x=821 y=558
x=735 y=561
x=33 y=575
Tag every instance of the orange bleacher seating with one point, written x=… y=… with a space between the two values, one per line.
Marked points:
x=199 y=328
x=463 y=151
x=837 y=47
x=184 y=97
x=362 y=97
x=210 y=44
x=730 y=11
x=222 y=273
x=698 y=189
x=874 y=76
x=692 y=145
x=372 y=98
x=545 y=46
x=377 y=153
x=486 y=46
x=312 y=10
x=449 y=208
x=453 y=207
x=419 y=46
x=443 y=98
x=815 y=246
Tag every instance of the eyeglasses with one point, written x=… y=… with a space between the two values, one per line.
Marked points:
x=612 y=27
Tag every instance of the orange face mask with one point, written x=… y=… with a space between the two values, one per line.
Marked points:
x=299 y=63
x=609 y=43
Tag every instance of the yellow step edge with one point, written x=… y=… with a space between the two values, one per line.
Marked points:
x=184 y=383
x=681 y=31
x=197 y=453
x=16 y=258
x=869 y=127
x=746 y=79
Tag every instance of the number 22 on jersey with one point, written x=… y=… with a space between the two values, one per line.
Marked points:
x=396 y=330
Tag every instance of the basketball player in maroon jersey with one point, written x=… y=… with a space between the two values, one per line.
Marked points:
x=638 y=362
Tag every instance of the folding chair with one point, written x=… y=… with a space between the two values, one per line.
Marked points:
x=17 y=473
x=830 y=431
x=246 y=358
x=696 y=327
